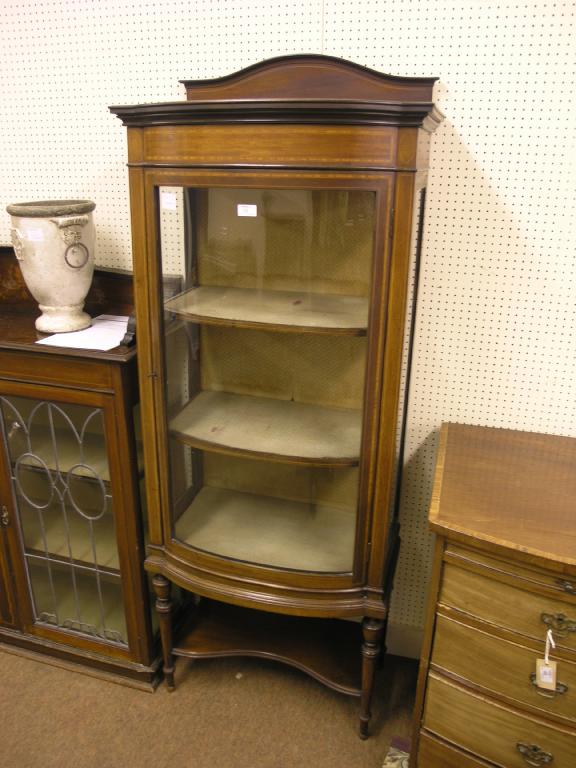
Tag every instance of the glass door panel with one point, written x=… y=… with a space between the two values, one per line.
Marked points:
x=266 y=297
x=61 y=488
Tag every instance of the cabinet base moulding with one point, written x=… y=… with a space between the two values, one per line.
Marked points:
x=139 y=676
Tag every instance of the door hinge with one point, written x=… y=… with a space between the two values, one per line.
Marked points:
x=4 y=515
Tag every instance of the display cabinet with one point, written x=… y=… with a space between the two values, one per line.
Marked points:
x=276 y=217
x=72 y=583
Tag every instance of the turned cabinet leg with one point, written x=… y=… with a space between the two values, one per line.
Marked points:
x=162 y=590
x=373 y=631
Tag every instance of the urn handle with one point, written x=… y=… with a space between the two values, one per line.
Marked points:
x=76 y=254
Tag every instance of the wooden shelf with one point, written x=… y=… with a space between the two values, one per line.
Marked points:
x=295 y=311
x=94 y=448
x=79 y=537
x=270 y=531
x=281 y=430
x=326 y=649
x=68 y=453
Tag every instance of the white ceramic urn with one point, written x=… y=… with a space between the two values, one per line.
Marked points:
x=54 y=244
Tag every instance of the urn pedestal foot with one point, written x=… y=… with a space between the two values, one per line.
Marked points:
x=62 y=319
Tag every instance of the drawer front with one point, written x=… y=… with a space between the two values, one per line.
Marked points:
x=50 y=369
x=531 y=574
x=506 y=606
x=435 y=754
x=492 y=732
x=502 y=667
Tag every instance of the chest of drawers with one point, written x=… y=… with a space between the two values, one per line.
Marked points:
x=504 y=573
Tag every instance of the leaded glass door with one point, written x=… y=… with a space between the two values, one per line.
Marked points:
x=63 y=518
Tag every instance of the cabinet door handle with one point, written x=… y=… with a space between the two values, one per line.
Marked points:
x=4 y=516
x=567 y=586
x=533 y=755
x=559 y=623
x=560 y=689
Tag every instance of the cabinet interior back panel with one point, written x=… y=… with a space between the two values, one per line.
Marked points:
x=496 y=315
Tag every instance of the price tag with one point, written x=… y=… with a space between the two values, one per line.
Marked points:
x=546 y=674
x=244 y=209
x=546 y=669
x=168 y=201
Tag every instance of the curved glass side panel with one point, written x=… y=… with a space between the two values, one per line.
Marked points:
x=61 y=487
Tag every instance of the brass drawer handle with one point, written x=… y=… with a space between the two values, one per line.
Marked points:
x=559 y=623
x=561 y=688
x=533 y=755
x=567 y=586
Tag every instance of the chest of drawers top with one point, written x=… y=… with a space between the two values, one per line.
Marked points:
x=509 y=493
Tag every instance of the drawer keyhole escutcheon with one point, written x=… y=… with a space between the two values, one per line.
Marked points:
x=561 y=688
x=559 y=623
x=533 y=755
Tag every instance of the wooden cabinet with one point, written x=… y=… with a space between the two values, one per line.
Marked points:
x=72 y=584
x=276 y=218
x=504 y=574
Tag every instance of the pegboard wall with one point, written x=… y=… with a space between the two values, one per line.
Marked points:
x=495 y=329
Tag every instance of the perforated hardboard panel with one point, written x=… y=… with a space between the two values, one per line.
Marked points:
x=495 y=339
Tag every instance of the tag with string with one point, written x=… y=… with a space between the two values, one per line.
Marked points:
x=545 y=668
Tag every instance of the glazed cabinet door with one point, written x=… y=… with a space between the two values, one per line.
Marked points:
x=65 y=502
x=269 y=332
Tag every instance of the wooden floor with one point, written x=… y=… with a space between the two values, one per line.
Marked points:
x=229 y=713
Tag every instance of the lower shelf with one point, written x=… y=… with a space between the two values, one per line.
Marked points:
x=327 y=649
x=269 y=531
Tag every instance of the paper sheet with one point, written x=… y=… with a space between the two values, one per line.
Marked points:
x=106 y=332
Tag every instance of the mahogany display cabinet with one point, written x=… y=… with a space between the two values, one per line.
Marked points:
x=276 y=216
x=72 y=583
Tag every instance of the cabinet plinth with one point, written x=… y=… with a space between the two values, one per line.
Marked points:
x=274 y=235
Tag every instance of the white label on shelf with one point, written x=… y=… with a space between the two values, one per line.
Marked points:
x=245 y=209
x=168 y=201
